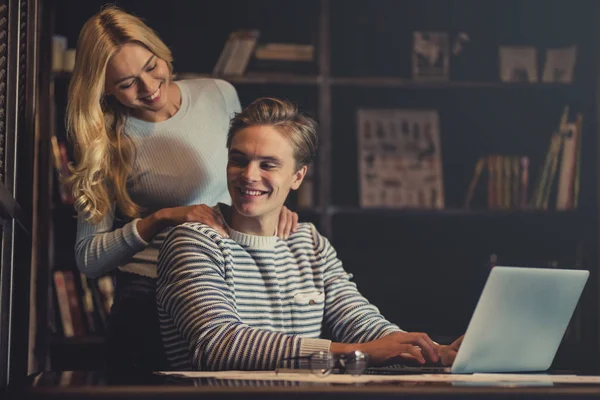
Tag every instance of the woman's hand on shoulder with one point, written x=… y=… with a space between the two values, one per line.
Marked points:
x=195 y=213
x=288 y=223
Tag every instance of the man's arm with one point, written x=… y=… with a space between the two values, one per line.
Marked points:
x=349 y=315
x=358 y=324
x=193 y=291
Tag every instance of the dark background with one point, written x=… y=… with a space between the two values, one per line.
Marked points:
x=423 y=269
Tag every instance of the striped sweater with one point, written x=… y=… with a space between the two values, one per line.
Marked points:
x=246 y=302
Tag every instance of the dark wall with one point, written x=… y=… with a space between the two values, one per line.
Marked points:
x=424 y=271
x=197 y=30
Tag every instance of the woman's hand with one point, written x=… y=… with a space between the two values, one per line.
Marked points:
x=154 y=223
x=411 y=346
x=288 y=223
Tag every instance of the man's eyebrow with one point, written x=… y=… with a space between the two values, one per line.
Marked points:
x=143 y=68
x=273 y=159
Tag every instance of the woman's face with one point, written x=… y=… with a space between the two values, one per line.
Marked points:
x=138 y=79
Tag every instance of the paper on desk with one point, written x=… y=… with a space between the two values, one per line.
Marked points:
x=349 y=379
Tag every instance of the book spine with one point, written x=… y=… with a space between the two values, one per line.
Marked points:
x=63 y=304
x=74 y=303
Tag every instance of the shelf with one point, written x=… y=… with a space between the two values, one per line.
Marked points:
x=275 y=78
x=382 y=82
x=250 y=78
x=78 y=341
x=452 y=212
x=259 y=78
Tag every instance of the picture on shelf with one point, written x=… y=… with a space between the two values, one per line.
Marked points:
x=431 y=56
x=400 y=161
x=559 y=65
x=518 y=64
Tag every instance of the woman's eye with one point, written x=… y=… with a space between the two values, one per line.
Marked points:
x=152 y=67
x=127 y=85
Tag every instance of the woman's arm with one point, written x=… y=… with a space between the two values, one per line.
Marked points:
x=100 y=249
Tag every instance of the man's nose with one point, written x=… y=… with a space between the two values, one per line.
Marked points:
x=251 y=173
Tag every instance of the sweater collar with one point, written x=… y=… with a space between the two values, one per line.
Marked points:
x=252 y=241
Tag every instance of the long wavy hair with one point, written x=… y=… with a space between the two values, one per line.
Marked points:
x=103 y=152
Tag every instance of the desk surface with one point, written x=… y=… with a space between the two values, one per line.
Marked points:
x=97 y=385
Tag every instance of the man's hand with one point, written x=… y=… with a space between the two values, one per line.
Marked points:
x=447 y=353
x=411 y=346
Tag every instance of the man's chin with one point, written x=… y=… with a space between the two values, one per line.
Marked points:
x=247 y=210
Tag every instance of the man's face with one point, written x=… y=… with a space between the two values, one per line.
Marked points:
x=261 y=171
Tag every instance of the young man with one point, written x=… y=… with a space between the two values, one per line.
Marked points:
x=251 y=300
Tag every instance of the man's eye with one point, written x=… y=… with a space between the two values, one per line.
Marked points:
x=268 y=166
x=236 y=161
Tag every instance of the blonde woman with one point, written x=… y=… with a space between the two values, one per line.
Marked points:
x=150 y=154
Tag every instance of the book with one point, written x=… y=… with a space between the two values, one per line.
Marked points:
x=506 y=187
x=236 y=53
x=88 y=304
x=568 y=165
x=62 y=299
x=479 y=167
x=558 y=182
x=68 y=303
x=576 y=177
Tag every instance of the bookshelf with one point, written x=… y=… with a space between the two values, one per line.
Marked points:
x=432 y=262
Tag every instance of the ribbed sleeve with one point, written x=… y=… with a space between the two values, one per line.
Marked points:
x=100 y=249
x=180 y=161
x=348 y=313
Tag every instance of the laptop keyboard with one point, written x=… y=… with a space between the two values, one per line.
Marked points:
x=401 y=369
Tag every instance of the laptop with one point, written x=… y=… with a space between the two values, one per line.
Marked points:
x=518 y=323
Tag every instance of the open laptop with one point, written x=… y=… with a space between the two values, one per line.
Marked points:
x=518 y=323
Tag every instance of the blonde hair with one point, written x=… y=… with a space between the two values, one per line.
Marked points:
x=103 y=152
x=299 y=129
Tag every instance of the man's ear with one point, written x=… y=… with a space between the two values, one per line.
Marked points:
x=299 y=177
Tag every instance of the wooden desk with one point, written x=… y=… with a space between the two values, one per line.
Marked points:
x=97 y=385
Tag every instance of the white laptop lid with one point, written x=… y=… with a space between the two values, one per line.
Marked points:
x=520 y=320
